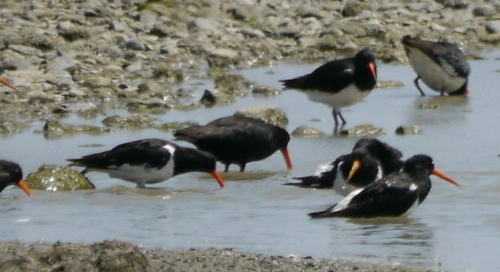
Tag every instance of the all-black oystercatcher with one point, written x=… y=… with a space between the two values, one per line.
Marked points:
x=8 y=84
x=149 y=161
x=394 y=195
x=339 y=83
x=11 y=174
x=369 y=161
x=238 y=140
x=440 y=65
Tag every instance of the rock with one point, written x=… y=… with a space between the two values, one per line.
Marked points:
x=72 y=33
x=492 y=26
x=58 y=178
x=215 y=97
x=354 y=7
x=269 y=114
x=102 y=256
x=174 y=126
x=134 y=44
x=483 y=10
x=10 y=126
x=389 y=84
x=54 y=128
x=208 y=26
x=132 y=122
x=264 y=90
x=231 y=84
x=429 y=106
x=363 y=130
x=405 y=130
x=97 y=82
x=455 y=4
x=304 y=131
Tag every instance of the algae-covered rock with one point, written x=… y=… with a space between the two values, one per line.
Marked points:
x=54 y=128
x=269 y=114
x=11 y=126
x=264 y=90
x=102 y=256
x=363 y=130
x=173 y=126
x=216 y=97
x=232 y=84
x=58 y=178
x=429 y=106
x=134 y=121
x=386 y=84
x=303 y=131
x=405 y=130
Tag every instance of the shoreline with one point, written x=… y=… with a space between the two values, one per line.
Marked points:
x=113 y=255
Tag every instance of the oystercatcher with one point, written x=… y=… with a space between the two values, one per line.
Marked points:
x=8 y=84
x=339 y=83
x=148 y=161
x=394 y=195
x=440 y=65
x=369 y=161
x=238 y=140
x=11 y=174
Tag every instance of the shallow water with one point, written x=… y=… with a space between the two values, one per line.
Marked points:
x=456 y=228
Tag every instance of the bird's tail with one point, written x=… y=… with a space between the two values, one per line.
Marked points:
x=306 y=182
x=323 y=214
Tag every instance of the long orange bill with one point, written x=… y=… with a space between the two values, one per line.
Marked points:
x=25 y=188
x=288 y=160
x=373 y=69
x=445 y=177
x=217 y=177
x=6 y=83
x=355 y=167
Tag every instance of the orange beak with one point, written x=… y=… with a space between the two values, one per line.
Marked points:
x=355 y=167
x=373 y=69
x=25 y=188
x=217 y=177
x=6 y=83
x=445 y=177
x=288 y=160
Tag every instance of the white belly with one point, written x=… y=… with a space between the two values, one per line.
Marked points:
x=432 y=74
x=345 y=98
x=139 y=174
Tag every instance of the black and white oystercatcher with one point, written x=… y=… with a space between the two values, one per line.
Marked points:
x=339 y=83
x=440 y=65
x=149 y=161
x=369 y=161
x=8 y=84
x=12 y=174
x=396 y=194
x=238 y=140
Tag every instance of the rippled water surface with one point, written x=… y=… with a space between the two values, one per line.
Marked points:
x=455 y=228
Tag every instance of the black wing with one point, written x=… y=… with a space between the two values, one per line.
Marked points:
x=332 y=76
x=390 y=196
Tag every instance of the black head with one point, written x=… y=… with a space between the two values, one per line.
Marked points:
x=11 y=174
x=365 y=69
x=193 y=160
x=389 y=157
x=364 y=170
x=281 y=138
x=419 y=163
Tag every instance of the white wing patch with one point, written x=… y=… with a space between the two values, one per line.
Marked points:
x=450 y=70
x=344 y=202
x=413 y=187
x=169 y=148
x=323 y=168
